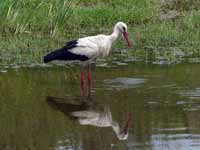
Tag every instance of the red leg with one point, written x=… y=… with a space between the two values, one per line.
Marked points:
x=89 y=80
x=82 y=82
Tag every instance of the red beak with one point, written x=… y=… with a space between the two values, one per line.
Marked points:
x=127 y=39
x=128 y=124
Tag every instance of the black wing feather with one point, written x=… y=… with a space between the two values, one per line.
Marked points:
x=65 y=54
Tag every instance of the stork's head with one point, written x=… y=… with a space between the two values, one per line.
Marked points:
x=122 y=28
x=122 y=134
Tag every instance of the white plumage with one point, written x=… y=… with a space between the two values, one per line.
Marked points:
x=99 y=45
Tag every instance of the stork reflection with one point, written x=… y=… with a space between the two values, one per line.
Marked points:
x=86 y=114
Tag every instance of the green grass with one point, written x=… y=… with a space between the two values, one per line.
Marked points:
x=31 y=28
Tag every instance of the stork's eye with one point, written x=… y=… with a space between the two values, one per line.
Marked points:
x=124 y=29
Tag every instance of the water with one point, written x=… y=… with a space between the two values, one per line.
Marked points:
x=37 y=104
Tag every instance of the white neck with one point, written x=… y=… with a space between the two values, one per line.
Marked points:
x=116 y=128
x=114 y=35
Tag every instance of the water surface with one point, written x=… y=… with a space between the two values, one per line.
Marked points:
x=163 y=100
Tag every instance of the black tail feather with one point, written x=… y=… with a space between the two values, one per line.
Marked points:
x=64 y=54
x=52 y=56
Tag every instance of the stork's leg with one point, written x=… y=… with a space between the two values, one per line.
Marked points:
x=89 y=80
x=82 y=82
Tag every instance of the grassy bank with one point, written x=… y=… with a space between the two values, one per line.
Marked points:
x=31 y=28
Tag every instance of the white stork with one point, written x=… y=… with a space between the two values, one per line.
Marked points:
x=88 y=49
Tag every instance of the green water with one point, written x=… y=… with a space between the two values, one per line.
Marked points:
x=164 y=102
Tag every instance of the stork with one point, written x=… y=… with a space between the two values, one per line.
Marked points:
x=88 y=49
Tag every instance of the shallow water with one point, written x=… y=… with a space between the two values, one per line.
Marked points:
x=37 y=103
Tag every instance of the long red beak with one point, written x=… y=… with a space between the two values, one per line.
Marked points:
x=128 y=124
x=127 y=39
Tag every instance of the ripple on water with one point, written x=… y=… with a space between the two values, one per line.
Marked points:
x=175 y=141
x=184 y=102
x=192 y=108
x=175 y=129
x=119 y=63
x=124 y=83
x=161 y=62
x=195 y=93
x=193 y=103
x=102 y=64
x=15 y=67
x=3 y=71
x=42 y=65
